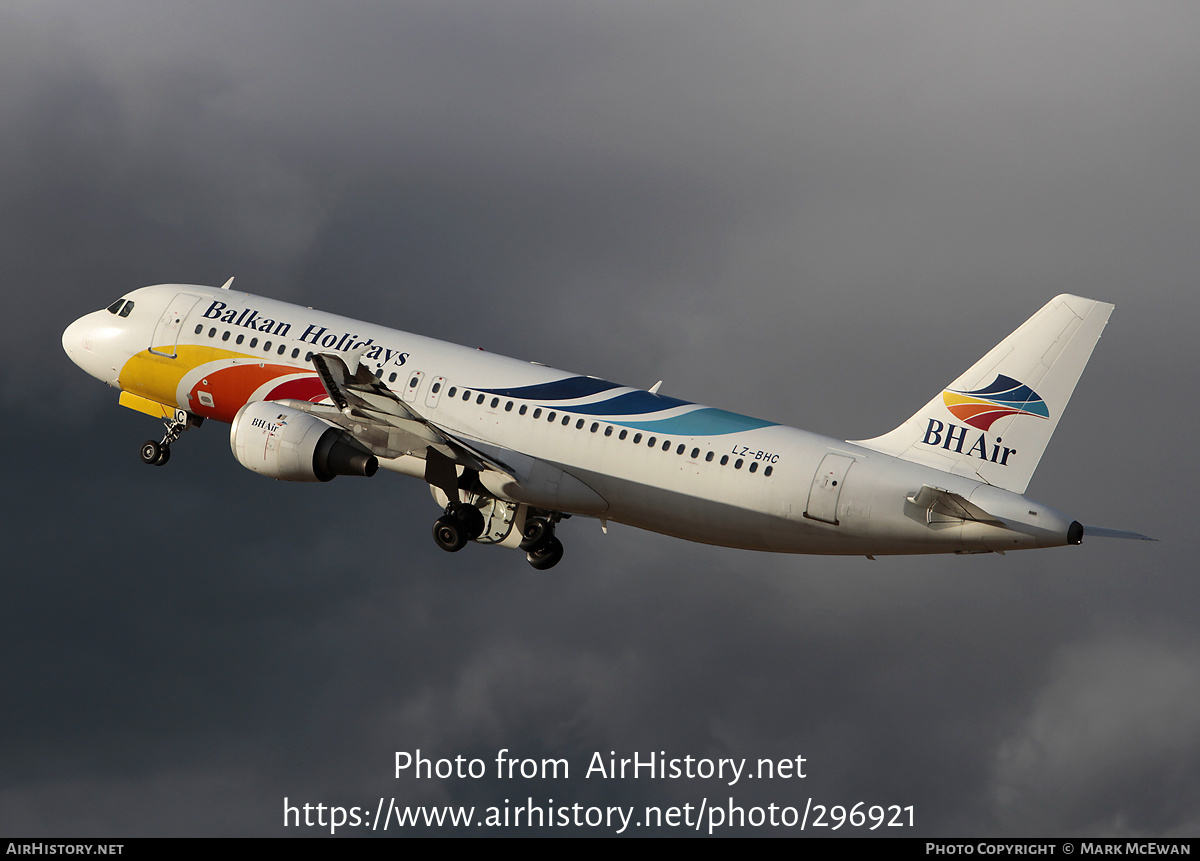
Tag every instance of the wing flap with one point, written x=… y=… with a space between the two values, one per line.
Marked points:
x=364 y=403
x=361 y=394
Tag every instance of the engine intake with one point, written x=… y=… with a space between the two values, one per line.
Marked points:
x=281 y=442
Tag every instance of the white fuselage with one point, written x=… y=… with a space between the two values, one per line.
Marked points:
x=646 y=460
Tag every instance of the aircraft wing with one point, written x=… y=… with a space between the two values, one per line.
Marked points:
x=361 y=396
x=371 y=411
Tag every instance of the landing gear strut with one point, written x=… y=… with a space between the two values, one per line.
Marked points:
x=158 y=453
x=542 y=549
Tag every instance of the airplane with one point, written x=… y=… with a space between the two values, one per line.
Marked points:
x=511 y=448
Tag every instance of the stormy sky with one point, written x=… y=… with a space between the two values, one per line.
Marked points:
x=815 y=213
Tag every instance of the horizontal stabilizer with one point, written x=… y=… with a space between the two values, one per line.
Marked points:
x=1102 y=532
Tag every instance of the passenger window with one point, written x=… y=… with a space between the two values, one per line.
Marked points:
x=267 y=346
x=453 y=391
x=680 y=449
x=524 y=408
x=282 y=348
x=724 y=459
x=537 y=414
x=239 y=339
x=199 y=329
x=254 y=342
x=637 y=437
x=392 y=377
x=566 y=420
x=754 y=466
x=435 y=388
x=496 y=403
x=225 y=336
x=551 y=416
x=595 y=427
x=708 y=457
x=768 y=470
x=508 y=407
x=650 y=442
x=624 y=433
x=608 y=431
x=666 y=445
x=212 y=333
x=695 y=453
x=296 y=353
x=479 y=399
x=738 y=464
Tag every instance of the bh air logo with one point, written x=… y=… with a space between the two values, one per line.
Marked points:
x=980 y=409
x=271 y=428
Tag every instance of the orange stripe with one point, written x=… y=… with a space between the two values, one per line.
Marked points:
x=230 y=388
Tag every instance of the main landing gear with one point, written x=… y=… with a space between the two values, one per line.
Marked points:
x=158 y=453
x=542 y=549
x=461 y=523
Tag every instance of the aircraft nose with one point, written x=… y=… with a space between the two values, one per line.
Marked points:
x=73 y=340
x=86 y=342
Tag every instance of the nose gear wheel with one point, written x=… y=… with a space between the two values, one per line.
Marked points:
x=158 y=453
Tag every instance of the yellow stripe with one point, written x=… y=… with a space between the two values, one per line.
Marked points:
x=156 y=378
x=951 y=399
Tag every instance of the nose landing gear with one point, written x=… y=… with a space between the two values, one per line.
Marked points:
x=155 y=454
x=158 y=453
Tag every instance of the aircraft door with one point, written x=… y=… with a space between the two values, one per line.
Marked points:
x=827 y=487
x=165 y=340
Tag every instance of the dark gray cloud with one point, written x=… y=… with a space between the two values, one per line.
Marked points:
x=818 y=215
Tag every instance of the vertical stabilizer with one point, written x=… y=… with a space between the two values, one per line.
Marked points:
x=993 y=423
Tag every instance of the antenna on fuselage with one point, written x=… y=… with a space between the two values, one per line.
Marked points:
x=227 y=284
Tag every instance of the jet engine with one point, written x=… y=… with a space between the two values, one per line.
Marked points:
x=281 y=442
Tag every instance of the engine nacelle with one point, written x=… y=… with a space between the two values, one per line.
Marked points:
x=281 y=442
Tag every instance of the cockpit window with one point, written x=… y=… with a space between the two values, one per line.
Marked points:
x=128 y=307
x=116 y=306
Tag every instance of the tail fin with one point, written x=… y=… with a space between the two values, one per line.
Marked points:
x=993 y=423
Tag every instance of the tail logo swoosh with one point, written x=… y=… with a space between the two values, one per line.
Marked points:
x=1004 y=396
